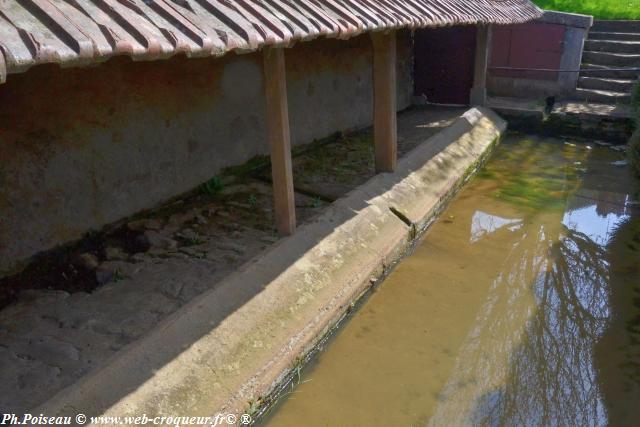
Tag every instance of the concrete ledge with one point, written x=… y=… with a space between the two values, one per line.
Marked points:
x=427 y=183
x=236 y=343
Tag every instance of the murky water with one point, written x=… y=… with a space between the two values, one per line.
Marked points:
x=521 y=307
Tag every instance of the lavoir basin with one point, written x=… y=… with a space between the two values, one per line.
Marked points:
x=520 y=306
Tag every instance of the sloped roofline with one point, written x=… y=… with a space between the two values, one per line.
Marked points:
x=80 y=32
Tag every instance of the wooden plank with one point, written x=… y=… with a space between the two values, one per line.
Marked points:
x=384 y=101
x=279 y=139
x=483 y=48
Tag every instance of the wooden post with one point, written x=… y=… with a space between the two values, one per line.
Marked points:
x=478 y=94
x=279 y=139
x=384 y=101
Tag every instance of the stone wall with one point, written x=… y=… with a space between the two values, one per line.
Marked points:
x=82 y=148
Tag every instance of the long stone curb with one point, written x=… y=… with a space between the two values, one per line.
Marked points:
x=236 y=343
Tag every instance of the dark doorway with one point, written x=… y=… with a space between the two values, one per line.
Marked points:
x=443 y=64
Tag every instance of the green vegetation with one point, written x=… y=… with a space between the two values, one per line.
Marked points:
x=634 y=142
x=635 y=104
x=634 y=152
x=194 y=241
x=600 y=9
x=338 y=164
x=250 y=167
x=118 y=276
x=253 y=201
x=213 y=186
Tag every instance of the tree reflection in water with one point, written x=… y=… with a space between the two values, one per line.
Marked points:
x=552 y=378
x=530 y=359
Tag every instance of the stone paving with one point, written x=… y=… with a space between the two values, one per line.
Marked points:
x=51 y=338
x=333 y=170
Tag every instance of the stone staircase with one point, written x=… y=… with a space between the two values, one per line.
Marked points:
x=600 y=106
x=610 y=44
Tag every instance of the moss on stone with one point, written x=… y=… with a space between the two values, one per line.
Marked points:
x=634 y=152
x=635 y=104
x=634 y=141
x=253 y=164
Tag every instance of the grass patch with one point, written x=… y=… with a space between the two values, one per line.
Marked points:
x=600 y=9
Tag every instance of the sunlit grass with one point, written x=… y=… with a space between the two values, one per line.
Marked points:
x=602 y=9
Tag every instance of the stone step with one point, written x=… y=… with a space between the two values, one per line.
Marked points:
x=613 y=46
x=622 y=112
x=608 y=122
x=611 y=59
x=601 y=71
x=603 y=35
x=616 y=26
x=608 y=84
x=602 y=96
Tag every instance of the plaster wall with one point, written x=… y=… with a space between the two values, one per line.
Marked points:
x=82 y=148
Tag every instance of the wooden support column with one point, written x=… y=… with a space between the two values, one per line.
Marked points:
x=384 y=101
x=3 y=68
x=478 y=94
x=279 y=139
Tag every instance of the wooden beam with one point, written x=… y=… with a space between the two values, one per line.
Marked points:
x=478 y=94
x=384 y=101
x=279 y=139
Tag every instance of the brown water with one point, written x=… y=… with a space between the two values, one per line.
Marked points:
x=521 y=306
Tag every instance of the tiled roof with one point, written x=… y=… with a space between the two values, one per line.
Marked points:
x=76 y=32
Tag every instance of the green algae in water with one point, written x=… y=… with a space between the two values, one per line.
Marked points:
x=534 y=176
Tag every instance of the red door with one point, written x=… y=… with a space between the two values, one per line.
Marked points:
x=536 y=45
x=443 y=63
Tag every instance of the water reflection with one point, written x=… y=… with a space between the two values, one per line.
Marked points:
x=496 y=319
x=543 y=373
x=550 y=377
x=597 y=214
x=484 y=223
